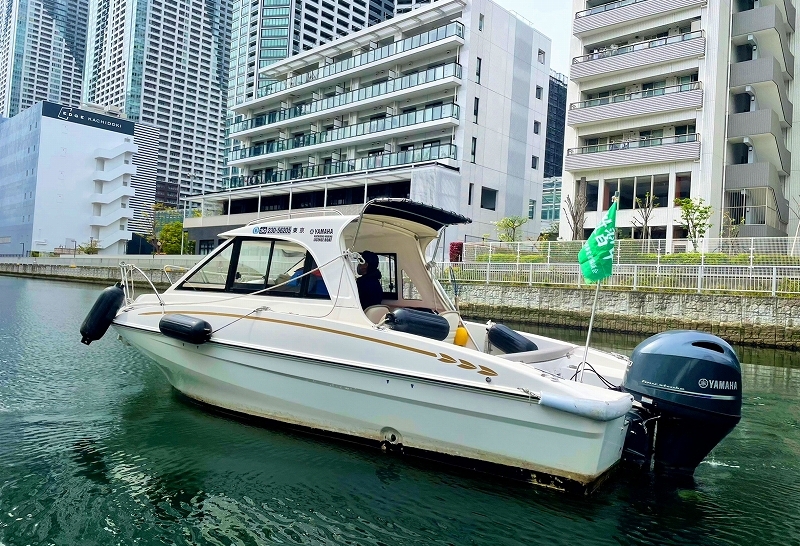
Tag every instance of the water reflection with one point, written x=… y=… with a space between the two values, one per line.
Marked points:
x=98 y=449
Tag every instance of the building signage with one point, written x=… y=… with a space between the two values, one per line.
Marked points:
x=84 y=117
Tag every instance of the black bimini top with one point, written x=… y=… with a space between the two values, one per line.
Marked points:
x=413 y=211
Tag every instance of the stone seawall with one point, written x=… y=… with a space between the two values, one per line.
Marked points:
x=763 y=321
x=85 y=273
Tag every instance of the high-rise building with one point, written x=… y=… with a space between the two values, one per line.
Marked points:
x=437 y=105
x=267 y=32
x=165 y=64
x=683 y=99
x=71 y=177
x=556 y=118
x=42 y=50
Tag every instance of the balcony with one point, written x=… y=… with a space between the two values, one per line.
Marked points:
x=412 y=122
x=638 y=55
x=426 y=81
x=383 y=161
x=652 y=101
x=613 y=14
x=761 y=129
x=764 y=77
x=112 y=217
x=634 y=152
x=444 y=34
x=108 y=176
x=106 y=198
x=766 y=27
x=758 y=175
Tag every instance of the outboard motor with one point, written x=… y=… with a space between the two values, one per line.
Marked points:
x=689 y=385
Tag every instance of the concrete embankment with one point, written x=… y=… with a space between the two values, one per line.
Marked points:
x=96 y=274
x=762 y=321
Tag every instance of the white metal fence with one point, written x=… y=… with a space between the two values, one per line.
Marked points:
x=747 y=251
x=758 y=280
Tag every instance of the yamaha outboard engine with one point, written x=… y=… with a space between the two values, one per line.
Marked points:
x=689 y=388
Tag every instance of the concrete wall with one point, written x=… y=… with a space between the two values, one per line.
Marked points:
x=773 y=322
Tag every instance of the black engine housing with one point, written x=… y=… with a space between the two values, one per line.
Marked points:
x=689 y=385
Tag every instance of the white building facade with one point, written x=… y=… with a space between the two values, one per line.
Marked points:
x=166 y=64
x=682 y=98
x=438 y=104
x=42 y=51
x=68 y=177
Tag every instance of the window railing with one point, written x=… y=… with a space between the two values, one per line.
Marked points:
x=606 y=7
x=645 y=93
x=413 y=42
x=397 y=84
x=753 y=215
x=629 y=144
x=429 y=153
x=610 y=52
x=433 y=113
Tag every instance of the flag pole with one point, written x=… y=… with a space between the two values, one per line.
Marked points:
x=589 y=335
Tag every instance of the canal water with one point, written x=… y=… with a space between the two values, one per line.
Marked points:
x=96 y=448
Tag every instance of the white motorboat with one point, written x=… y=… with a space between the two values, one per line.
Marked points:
x=271 y=325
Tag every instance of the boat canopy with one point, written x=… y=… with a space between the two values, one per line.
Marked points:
x=413 y=211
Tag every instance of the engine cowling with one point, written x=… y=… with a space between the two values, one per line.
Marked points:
x=689 y=385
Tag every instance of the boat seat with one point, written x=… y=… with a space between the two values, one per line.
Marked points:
x=453 y=319
x=375 y=313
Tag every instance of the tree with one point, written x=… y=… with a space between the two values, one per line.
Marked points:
x=694 y=218
x=507 y=228
x=89 y=247
x=644 y=210
x=170 y=238
x=551 y=234
x=730 y=227
x=576 y=212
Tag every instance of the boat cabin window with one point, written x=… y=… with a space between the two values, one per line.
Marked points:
x=254 y=265
x=387 y=265
x=410 y=291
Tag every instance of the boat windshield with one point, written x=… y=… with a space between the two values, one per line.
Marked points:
x=267 y=266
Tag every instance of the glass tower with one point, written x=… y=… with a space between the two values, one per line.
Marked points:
x=42 y=50
x=164 y=63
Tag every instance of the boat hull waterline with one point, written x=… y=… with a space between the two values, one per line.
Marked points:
x=420 y=413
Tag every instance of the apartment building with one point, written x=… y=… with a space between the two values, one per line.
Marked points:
x=438 y=104
x=682 y=98
x=42 y=51
x=165 y=63
x=265 y=32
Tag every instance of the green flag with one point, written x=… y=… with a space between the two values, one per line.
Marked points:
x=597 y=254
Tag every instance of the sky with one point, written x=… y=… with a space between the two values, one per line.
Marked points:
x=553 y=18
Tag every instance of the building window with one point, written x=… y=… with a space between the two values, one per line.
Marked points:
x=478 y=73
x=473 y=149
x=539 y=92
x=536 y=127
x=531 y=208
x=540 y=57
x=475 y=110
x=488 y=198
x=206 y=246
x=469 y=195
x=480 y=22
x=534 y=162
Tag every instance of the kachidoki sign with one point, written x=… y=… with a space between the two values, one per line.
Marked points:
x=84 y=117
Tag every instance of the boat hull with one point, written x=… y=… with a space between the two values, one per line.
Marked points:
x=544 y=445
